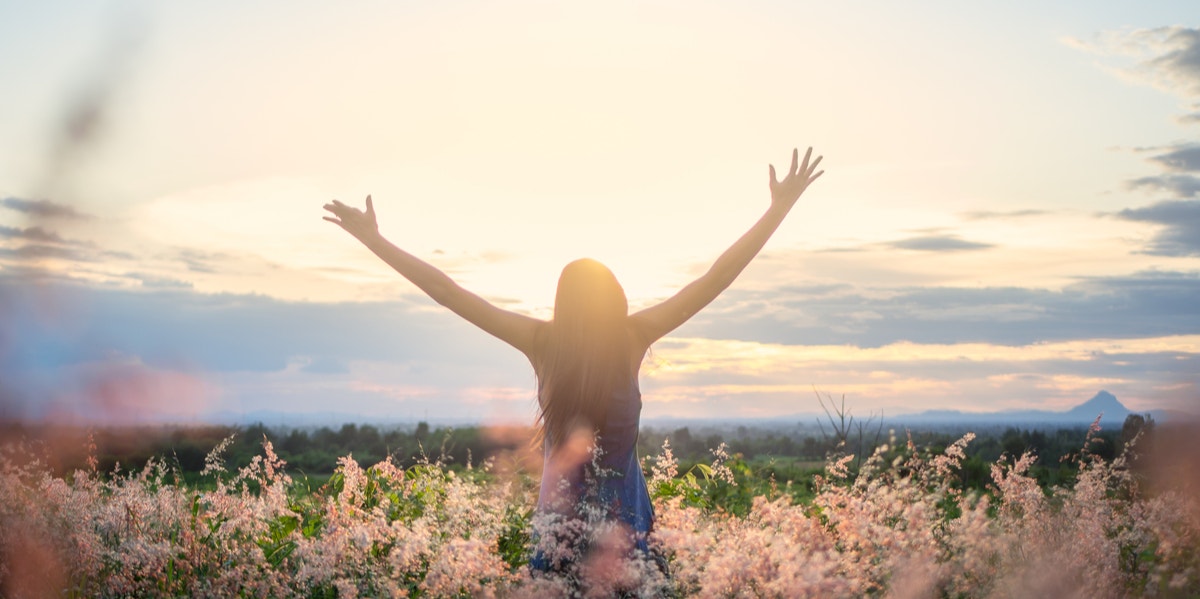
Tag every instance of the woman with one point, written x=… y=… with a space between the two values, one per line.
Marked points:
x=587 y=356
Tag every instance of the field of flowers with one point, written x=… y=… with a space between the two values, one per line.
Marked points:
x=901 y=526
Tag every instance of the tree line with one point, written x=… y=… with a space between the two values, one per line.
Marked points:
x=782 y=454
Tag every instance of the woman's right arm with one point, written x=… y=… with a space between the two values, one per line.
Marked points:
x=515 y=329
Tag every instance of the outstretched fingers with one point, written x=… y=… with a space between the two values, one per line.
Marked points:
x=340 y=213
x=811 y=167
x=808 y=169
x=342 y=210
x=336 y=218
x=804 y=170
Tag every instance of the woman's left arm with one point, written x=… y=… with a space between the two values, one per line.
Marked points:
x=658 y=320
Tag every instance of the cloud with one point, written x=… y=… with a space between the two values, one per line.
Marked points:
x=1141 y=305
x=1180 y=186
x=880 y=345
x=41 y=251
x=205 y=262
x=954 y=368
x=326 y=366
x=1181 y=159
x=43 y=209
x=1167 y=57
x=34 y=273
x=932 y=240
x=258 y=350
x=42 y=244
x=1177 y=65
x=995 y=215
x=1180 y=219
x=938 y=243
x=157 y=282
x=74 y=252
x=31 y=234
x=165 y=325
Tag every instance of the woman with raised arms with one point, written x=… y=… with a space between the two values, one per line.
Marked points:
x=587 y=357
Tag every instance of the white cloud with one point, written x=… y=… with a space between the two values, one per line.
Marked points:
x=1167 y=58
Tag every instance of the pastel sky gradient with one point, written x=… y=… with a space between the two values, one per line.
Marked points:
x=1009 y=217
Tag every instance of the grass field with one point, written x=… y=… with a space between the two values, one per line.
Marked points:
x=901 y=526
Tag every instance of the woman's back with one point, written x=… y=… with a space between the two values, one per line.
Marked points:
x=608 y=478
x=591 y=482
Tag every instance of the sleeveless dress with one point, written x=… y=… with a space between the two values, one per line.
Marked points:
x=618 y=485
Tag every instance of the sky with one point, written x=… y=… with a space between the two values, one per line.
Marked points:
x=1009 y=217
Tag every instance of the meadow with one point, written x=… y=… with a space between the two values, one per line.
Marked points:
x=903 y=521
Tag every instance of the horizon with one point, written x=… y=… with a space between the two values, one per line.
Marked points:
x=1077 y=416
x=1009 y=220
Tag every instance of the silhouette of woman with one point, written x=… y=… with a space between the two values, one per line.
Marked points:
x=587 y=357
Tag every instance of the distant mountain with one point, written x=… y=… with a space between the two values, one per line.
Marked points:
x=1103 y=403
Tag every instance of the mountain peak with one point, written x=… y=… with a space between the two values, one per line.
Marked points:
x=1103 y=402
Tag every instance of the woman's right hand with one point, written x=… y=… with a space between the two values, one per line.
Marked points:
x=785 y=193
x=360 y=224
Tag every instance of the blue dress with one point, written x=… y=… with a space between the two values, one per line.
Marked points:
x=618 y=486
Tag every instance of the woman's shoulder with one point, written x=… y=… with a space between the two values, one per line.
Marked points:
x=546 y=344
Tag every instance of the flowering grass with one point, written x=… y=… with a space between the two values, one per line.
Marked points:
x=901 y=526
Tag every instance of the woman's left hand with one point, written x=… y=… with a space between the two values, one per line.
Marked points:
x=356 y=222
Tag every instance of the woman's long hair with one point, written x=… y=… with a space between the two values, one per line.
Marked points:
x=583 y=354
